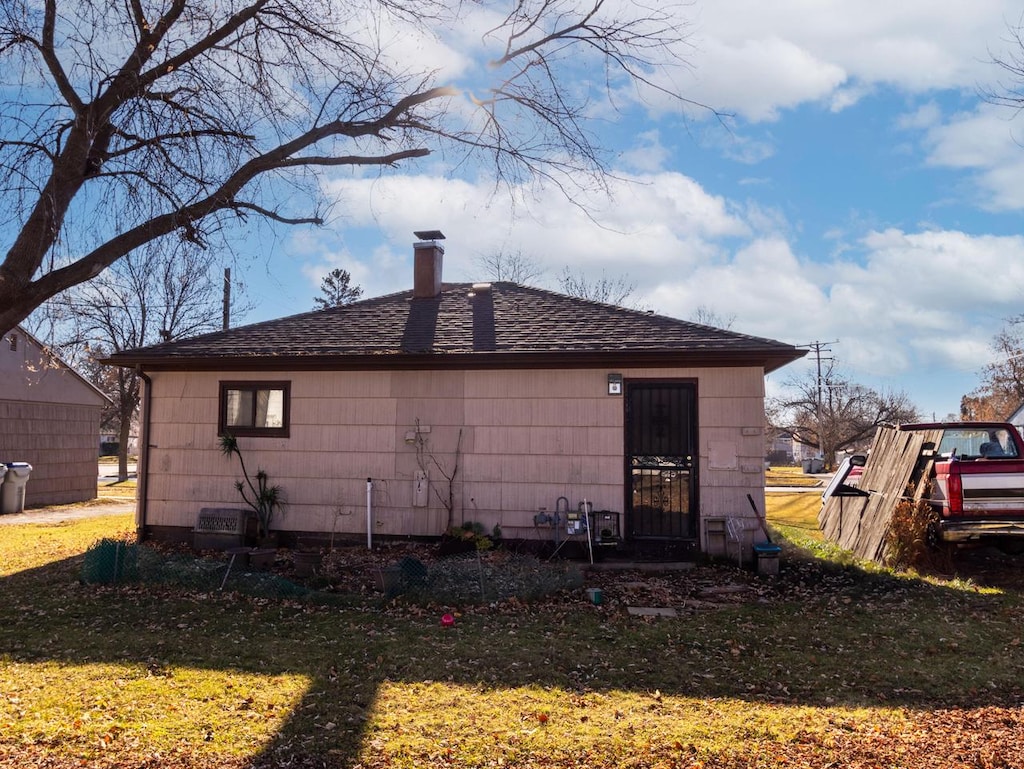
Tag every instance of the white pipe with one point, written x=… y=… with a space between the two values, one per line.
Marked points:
x=369 y=513
x=586 y=522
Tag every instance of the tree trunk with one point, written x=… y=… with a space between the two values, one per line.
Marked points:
x=124 y=434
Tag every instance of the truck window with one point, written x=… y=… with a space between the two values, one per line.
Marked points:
x=978 y=443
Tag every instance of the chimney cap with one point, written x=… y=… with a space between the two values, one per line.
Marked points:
x=429 y=234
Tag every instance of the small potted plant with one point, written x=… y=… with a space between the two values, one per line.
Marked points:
x=307 y=562
x=262 y=498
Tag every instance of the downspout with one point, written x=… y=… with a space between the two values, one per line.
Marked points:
x=369 y=513
x=142 y=465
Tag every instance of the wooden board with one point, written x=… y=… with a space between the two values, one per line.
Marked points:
x=898 y=468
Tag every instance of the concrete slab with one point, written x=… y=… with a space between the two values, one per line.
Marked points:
x=644 y=566
x=724 y=590
x=651 y=611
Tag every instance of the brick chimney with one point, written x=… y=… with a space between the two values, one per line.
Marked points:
x=428 y=259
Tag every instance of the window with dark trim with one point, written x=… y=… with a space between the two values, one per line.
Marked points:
x=254 y=408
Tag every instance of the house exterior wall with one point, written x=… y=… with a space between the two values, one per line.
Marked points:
x=50 y=418
x=524 y=439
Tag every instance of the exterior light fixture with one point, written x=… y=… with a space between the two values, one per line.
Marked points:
x=615 y=384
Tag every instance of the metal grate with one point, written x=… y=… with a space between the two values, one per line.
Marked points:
x=218 y=528
x=217 y=520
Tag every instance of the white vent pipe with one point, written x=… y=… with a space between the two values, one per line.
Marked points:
x=369 y=513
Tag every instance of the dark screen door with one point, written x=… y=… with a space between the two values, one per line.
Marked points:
x=661 y=430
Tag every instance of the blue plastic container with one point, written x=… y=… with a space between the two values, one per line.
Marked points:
x=767 y=555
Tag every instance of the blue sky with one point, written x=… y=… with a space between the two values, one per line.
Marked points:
x=860 y=192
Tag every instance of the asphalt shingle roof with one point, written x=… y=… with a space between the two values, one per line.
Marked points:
x=502 y=323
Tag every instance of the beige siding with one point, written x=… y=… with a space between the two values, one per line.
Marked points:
x=50 y=418
x=30 y=374
x=60 y=441
x=526 y=438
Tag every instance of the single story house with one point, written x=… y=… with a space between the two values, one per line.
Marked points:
x=494 y=403
x=50 y=418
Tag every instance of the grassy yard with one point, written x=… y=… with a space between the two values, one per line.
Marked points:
x=789 y=476
x=117 y=490
x=828 y=664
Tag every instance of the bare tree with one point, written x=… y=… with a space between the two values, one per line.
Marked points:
x=336 y=290
x=125 y=123
x=845 y=417
x=152 y=295
x=516 y=267
x=1001 y=391
x=707 y=316
x=1010 y=93
x=604 y=289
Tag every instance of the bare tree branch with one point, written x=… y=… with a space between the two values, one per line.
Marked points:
x=133 y=121
x=277 y=217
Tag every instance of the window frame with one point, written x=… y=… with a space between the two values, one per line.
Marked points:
x=254 y=387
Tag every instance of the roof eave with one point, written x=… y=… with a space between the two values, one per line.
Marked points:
x=769 y=360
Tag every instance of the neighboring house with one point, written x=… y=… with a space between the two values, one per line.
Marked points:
x=50 y=418
x=1017 y=419
x=109 y=441
x=780 y=448
x=501 y=402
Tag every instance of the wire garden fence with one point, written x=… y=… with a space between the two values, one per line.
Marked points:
x=471 y=578
x=474 y=578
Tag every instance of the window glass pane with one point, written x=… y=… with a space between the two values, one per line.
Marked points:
x=270 y=408
x=239 y=408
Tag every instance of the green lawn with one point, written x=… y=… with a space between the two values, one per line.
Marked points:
x=828 y=664
x=789 y=476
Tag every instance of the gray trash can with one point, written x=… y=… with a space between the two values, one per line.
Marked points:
x=813 y=465
x=12 y=490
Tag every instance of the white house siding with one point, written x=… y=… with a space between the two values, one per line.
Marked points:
x=527 y=438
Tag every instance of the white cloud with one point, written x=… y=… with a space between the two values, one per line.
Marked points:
x=762 y=285
x=757 y=59
x=975 y=140
x=738 y=146
x=759 y=77
x=924 y=300
x=842 y=98
x=650 y=221
x=925 y=262
x=647 y=155
x=989 y=145
x=922 y=118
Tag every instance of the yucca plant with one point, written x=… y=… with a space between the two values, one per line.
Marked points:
x=263 y=498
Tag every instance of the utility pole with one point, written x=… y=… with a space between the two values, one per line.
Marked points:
x=227 y=297
x=818 y=348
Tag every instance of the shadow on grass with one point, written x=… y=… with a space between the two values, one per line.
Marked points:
x=816 y=636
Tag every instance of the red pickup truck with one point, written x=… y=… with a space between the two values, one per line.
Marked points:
x=978 y=482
